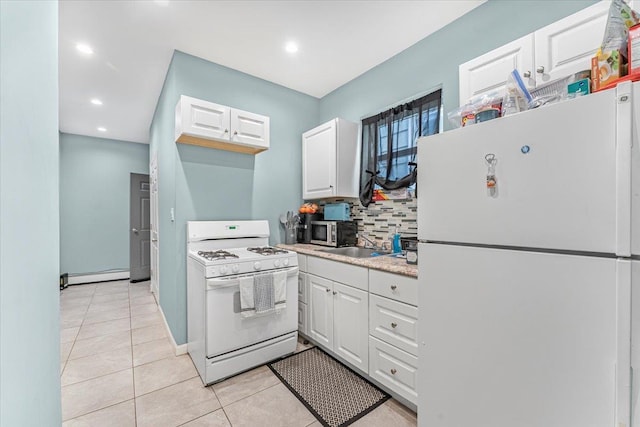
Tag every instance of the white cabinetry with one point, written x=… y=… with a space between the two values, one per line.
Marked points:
x=303 y=296
x=393 y=329
x=330 y=160
x=210 y=125
x=557 y=50
x=338 y=312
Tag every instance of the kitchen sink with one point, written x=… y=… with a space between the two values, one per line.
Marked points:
x=356 y=252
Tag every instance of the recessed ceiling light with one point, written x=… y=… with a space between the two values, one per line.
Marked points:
x=291 y=47
x=96 y=101
x=101 y=129
x=84 y=48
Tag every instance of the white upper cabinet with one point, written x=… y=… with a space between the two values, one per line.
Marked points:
x=489 y=72
x=567 y=46
x=210 y=125
x=249 y=128
x=555 y=51
x=330 y=160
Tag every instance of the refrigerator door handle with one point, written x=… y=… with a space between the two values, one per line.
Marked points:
x=624 y=140
x=623 y=343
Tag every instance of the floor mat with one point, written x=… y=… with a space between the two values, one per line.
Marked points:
x=335 y=394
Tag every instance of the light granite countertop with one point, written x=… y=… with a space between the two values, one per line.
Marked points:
x=383 y=263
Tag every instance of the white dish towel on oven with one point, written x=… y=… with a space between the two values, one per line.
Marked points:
x=263 y=294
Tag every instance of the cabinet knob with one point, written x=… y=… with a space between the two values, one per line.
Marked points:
x=328 y=290
x=226 y=131
x=393 y=371
x=526 y=74
x=235 y=132
x=394 y=325
x=394 y=287
x=540 y=70
x=334 y=292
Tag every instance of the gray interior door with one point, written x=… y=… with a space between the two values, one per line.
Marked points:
x=140 y=228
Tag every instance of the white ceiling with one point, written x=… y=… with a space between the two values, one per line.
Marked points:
x=133 y=42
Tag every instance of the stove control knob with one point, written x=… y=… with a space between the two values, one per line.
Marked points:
x=223 y=269
x=235 y=268
x=256 y=265
x=285 y=262
x=276 y=263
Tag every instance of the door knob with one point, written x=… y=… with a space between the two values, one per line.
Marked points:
x=135 y=230
x=526 y=74
x=540 y=70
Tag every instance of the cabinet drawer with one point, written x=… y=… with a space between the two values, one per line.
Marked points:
x=394 y=369
x=302 y=318
x=303 y=288
x=394 y=286
x=394 y=322
x=340 y=272
x=302 y=262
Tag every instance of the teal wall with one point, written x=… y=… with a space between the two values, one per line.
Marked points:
x=94 y=201
x=29 y=295
x=208 y=184
x=433 y=62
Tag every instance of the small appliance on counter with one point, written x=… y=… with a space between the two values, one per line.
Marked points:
x=337 y=212
x=334 y=233
x=410 y=246
x=304 y=227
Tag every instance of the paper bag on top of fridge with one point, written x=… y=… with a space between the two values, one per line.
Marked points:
x=620 y=18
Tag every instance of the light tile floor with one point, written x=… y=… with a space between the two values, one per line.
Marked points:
x=119 y=369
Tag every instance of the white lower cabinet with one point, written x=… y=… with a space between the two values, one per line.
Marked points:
x=338 y=316
x=303 y=296
x=368 y=318
x=394 y=368
x=394 y=322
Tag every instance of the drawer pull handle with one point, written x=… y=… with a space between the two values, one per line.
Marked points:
x=394 y=287
x=394 y=324
x=393 y=371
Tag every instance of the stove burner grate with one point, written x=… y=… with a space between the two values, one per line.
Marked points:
x=267 y=250
x=215 y=255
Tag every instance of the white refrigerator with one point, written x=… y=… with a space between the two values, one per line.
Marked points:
x=529 y=268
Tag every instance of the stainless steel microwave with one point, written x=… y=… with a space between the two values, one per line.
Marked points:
x=334 y=233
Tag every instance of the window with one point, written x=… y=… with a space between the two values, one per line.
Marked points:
x=389 y=144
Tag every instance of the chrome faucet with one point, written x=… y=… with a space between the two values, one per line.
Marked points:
x=373 y=243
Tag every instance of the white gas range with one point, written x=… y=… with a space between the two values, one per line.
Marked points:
x=221 y=341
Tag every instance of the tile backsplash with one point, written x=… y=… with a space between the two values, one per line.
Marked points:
x=379 y=220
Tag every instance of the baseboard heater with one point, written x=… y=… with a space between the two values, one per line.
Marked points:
x=105 y=276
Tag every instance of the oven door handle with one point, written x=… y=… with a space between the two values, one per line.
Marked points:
x=224 y=282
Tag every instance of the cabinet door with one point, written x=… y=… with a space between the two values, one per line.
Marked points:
x=303 y=290
x=303 y=323
x=488 y=73
x=566 y=46
x=249 y=128
x=320 y=310
x=199 y=118
x=319 y=161
x=350 y=325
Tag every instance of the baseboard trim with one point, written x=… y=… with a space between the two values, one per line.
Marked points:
x=98 y=277
x=178 y=349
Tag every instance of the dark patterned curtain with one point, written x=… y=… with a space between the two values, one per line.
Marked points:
x=389 y=144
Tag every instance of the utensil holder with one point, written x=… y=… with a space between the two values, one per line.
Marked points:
x=290 y=236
